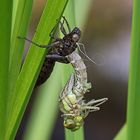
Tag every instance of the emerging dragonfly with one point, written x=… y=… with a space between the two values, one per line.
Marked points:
x=58 y=49
x=72 y=102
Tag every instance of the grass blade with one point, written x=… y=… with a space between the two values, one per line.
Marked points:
x=31 y=66
x=24 y=10
x=14 y=11
x=133 y=112
x=5 y=34
x=40 y=126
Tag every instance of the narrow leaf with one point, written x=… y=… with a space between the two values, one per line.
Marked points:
x=24 y=10
x=40 y=126
x=5 y=34
x=45 y=109
x=133 y=111
x=31 y=66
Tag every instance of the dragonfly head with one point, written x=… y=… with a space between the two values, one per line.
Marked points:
x=68 y=44
x=76 y=34
x=73 y=123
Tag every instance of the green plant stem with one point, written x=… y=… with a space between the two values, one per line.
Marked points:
x=73 y=9
x=67 y=69
x=5 y=34
x=30 y=70
x=133 y=111
x=81 y=12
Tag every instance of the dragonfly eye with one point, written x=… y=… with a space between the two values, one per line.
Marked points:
x=75 y=37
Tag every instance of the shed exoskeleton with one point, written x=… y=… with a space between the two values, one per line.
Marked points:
x=72 y=103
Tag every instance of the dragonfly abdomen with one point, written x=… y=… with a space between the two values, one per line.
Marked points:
x=46 y=71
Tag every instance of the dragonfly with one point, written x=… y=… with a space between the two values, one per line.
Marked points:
x=72 y=103
x=58 y=49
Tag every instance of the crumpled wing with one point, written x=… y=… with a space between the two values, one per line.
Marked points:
x=68 y=87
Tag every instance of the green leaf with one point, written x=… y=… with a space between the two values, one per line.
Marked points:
x=5 y=34
x=15 y=5
x=133 y=111
x=30 y=70
x=45 y=109
x=23 y=14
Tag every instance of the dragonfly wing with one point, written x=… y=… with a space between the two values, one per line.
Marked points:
x=68 y=87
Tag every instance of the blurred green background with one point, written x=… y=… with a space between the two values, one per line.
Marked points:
x=106 y=36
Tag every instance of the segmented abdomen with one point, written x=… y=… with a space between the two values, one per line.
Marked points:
x=81 y=86
x=79 y=66
x=46 y=71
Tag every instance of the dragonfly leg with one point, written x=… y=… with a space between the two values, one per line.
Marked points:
x=67 y=115
x=62 y=29
x=53 y=32
x=68 y=26
x=34 y=43
x=96 y=102
x=58 y=58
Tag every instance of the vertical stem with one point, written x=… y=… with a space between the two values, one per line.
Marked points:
x=133 y=112
x=70 y=16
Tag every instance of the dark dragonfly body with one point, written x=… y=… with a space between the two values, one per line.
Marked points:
x=58 y=49
x=57 y=52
